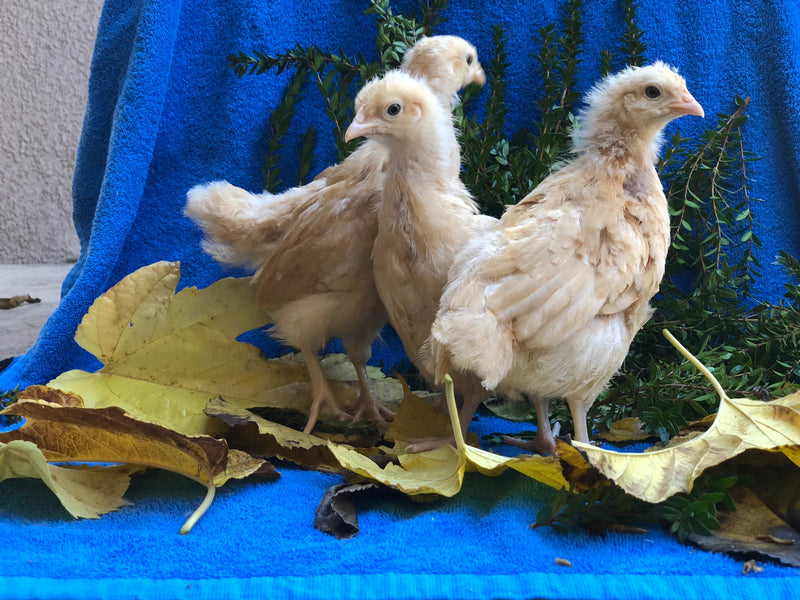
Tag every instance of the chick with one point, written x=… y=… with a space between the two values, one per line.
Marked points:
x=547 y=304
x=447 y=63
x=311 y=245
x=425 y=218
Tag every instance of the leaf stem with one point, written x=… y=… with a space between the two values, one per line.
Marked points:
x=450 y=396
x=192 y=520
x=693 y=359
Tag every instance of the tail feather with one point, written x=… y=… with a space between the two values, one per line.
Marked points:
x=240 y=228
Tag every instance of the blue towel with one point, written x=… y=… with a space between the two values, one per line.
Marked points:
x=165 y=113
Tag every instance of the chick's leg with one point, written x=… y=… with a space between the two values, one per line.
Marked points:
x=368 y=407
x=320 y=390
x=544 y=442
x=579 y=407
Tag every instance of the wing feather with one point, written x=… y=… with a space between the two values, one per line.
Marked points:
x=564 y=263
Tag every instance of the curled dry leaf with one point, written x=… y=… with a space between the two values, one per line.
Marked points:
x=336 y=513
x=85 y=492
x=740 y=425
x=72 y=433
x=629 y=429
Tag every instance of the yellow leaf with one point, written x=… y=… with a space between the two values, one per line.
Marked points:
x=166 y=355
x=545 y=469
x=629 y=429
x=84 y=492
x=740 y=425
x=440 y=471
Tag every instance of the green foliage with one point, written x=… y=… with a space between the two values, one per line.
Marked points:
x=606 y=507
x=336 y=77
x=6 y=399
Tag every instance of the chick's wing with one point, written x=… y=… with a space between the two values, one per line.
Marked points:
x=564 y=262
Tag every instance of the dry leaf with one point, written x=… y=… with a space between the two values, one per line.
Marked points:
x=338 y=367
x=265 y=438
x=752 y=528
x=165 y=355
x=751 y=566
x=629 y=429
x=740 y=425
x=563 y=562
x=109 y=435
x=85 y=493
x=336 y=513
x=15 y=301
x=440 y=471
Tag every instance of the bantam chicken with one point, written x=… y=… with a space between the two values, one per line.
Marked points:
x=311 y=245
x=547 y=304
x=426 y=216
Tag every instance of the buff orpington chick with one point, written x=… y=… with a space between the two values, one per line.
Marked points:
x=426 y=216
x=546 y=305
x=311 y=245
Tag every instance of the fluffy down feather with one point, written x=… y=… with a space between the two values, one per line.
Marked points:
x=547 y=304
x=311 y=245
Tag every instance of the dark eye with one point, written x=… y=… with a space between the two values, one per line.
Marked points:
x=393 y=110
x=652 y=91
x=469 y=59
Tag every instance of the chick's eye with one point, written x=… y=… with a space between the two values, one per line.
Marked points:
x=652 y=91
x=469 y=59
x=393 y=110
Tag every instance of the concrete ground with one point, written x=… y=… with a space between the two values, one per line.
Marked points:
x=19 y=327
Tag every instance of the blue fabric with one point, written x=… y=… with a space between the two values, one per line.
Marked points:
x=165 y=113
x=258 y=541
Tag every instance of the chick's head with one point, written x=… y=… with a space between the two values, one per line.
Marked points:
x=636 y=102
x=399 y=110
x=447 y=62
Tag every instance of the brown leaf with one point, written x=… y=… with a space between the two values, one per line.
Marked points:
x=15 y=301
x=751 y=566
x=336 y=513
x=751 y=529
x=261 y=437
x=51 y=395
x=109 y=435
x=417 y=418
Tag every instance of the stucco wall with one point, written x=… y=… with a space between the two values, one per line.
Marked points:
x=45 y=53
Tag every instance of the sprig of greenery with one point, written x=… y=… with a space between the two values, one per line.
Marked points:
x=605 y=507
x=336 y=77
x=6 y=399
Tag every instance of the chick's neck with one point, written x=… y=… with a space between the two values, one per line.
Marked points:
x=425 y=161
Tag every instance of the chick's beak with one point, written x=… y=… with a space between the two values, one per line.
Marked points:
x=479 y=76
x=687 y=105
x=360 y=127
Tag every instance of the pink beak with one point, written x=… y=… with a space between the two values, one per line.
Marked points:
x=479 y=76
x=688 y=106
x=360 y=127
